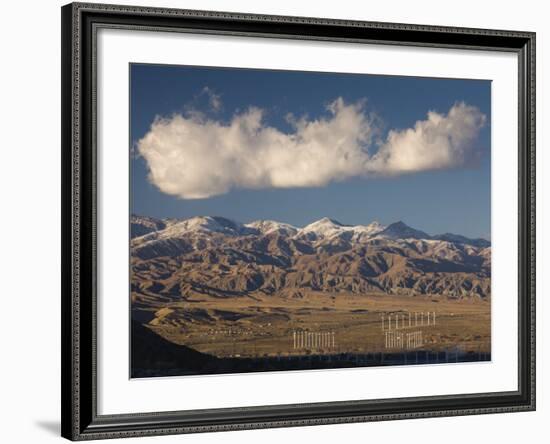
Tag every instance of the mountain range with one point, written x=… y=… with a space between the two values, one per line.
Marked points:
x=218 y=257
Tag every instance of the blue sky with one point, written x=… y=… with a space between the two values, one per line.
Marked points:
x=449 y=199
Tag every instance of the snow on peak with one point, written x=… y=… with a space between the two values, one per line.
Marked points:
x=326 y=230
x=272 y=226
x=329 y=228
x=324 y=226
x=372 y=228
x=203 y=224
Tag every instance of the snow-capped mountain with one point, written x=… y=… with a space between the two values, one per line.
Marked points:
x=271 y=226
x=173 y=228
x=206 y=224
x=224 y=257
x=147 y=229
x=327 y=228
x=323 y=227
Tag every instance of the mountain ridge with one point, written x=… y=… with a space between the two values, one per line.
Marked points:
x=324 y=227
x=221 y=258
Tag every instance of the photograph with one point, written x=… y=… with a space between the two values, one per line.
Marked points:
x=298 y=220
x=293 y=218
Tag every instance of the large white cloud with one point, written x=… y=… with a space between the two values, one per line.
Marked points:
x=192 y=156
x=435 y=143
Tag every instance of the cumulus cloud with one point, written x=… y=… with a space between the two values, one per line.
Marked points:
x=440 y=141
x=193 y=157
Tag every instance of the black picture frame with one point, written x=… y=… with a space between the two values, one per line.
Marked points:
x=79 y=172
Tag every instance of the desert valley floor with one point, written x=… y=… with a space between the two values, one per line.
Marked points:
x=251 y=327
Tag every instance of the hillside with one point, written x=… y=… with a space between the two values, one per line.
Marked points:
x=218 y=257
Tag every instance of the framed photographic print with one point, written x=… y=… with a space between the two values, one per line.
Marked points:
x=280 y=221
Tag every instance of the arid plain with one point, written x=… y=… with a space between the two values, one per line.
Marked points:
x=251 y=327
